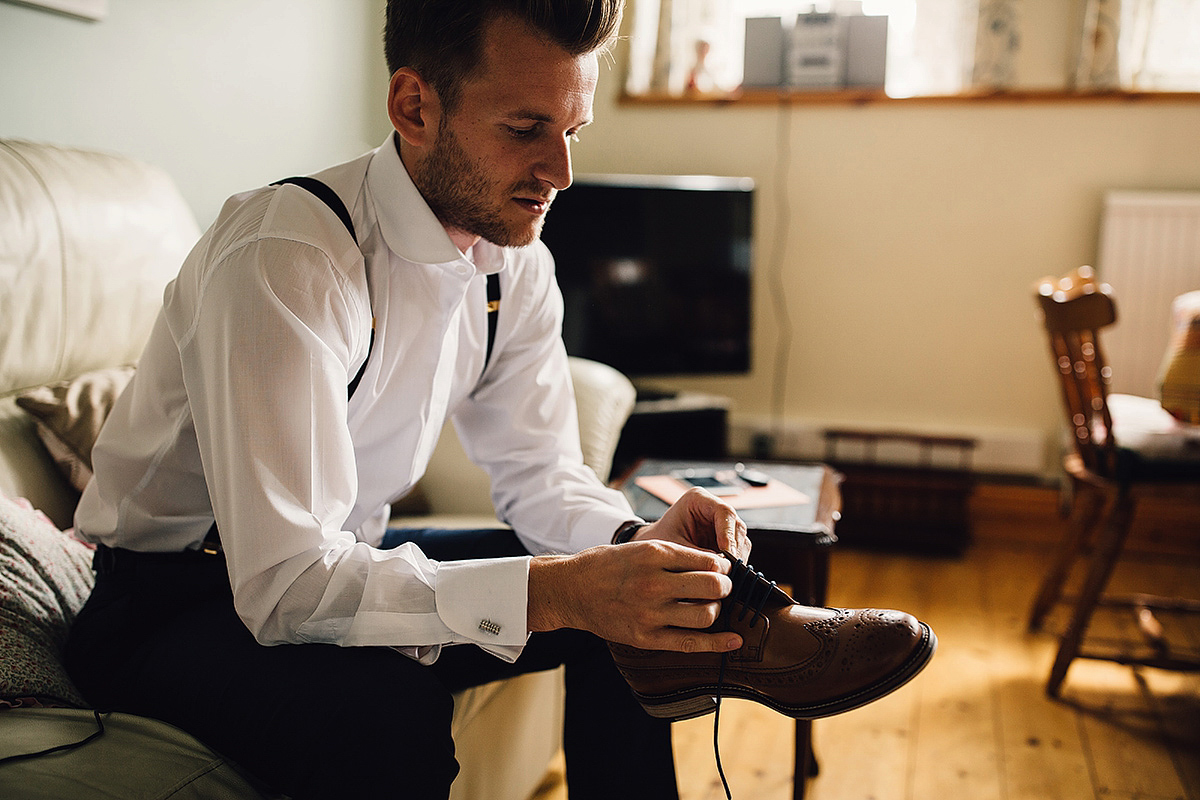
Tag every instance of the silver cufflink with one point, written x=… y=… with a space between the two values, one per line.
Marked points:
x=487 y=626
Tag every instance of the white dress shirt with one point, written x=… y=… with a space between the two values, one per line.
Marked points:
x=239 y=413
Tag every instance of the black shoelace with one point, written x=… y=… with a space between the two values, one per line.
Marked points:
x=751 y=589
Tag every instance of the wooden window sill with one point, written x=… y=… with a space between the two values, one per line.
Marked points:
x=761 y=97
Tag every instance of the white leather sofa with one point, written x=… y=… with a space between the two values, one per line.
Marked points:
x=87 y=243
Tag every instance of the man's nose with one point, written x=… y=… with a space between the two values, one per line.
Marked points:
x=554 y=166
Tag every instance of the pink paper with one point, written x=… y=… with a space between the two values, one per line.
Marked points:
x=775 y=493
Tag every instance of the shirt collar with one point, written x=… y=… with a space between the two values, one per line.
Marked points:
x=408 y=225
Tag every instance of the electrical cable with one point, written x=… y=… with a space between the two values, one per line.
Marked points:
x=775 y=270
x=62 y=747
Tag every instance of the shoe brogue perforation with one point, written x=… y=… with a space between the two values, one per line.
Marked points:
x=874 y=636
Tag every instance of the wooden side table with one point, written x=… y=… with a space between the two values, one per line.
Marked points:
x=791 y=544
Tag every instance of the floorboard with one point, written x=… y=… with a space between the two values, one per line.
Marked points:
x=977 y=723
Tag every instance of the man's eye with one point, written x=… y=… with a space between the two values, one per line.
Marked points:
x=521 y=133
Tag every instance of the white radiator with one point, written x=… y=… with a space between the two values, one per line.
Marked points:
x=1149 y=254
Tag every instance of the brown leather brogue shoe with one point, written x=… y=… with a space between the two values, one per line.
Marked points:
x=802 y=661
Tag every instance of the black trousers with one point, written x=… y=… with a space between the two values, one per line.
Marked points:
x=159 y=637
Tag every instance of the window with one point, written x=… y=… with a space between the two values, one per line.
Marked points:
x=1140 y=44
x=933 y=47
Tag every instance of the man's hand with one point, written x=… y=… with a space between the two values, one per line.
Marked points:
x=656 y=595
x=699 y=519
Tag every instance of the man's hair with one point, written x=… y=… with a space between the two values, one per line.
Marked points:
x=443 y=39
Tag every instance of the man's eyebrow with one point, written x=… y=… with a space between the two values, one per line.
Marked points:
x=537 y=116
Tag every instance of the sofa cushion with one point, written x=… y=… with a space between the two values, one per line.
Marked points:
x=1179 y=376
x=69 y=414
x=135 y=758
x=45 y=577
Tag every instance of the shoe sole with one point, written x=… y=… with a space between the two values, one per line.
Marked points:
x=700 y=700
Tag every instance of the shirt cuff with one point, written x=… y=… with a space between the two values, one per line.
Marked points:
x=485 y=602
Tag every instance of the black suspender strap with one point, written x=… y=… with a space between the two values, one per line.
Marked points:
x=329 y=197
x=493 y=313
x=358 y=378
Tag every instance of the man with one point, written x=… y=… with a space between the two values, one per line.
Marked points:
x=248 y=590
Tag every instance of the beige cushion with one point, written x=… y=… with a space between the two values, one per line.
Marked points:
x=1179 y=379
x=69 y=415
x=26 y=469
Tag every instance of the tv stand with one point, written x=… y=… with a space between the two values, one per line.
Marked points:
x=672 y=424
x=650 y=393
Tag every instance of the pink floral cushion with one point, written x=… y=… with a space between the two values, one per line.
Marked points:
x=45 y=577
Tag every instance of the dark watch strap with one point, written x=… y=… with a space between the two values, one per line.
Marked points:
x=627 y=531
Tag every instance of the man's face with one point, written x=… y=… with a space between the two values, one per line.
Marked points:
x=501 y=156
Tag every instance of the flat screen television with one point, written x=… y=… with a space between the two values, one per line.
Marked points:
x=655 y=272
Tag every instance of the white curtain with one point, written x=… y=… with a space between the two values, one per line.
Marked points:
x=677 y=43
x=1139 y=45
x=997 y=44
x=932 y=44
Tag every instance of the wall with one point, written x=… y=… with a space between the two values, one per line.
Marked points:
x=910 y=235
x=223 y=94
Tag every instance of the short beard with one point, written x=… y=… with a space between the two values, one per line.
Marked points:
x=457 y=190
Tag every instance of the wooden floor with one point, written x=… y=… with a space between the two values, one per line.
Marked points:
x=976 y=723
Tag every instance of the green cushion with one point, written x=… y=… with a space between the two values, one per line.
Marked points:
x=135 y=758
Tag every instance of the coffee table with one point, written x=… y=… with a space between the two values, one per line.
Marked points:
x=791 y=543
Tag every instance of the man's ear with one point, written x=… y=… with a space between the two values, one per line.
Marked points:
x=413 y=107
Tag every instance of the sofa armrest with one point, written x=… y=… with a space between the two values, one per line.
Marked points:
x=605 y=398
x=453 y=485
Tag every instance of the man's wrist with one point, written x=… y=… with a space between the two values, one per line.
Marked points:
x=627 y=531
x=544 y=611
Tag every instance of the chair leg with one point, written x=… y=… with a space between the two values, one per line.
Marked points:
x=1100 y=568
x=1087 y=505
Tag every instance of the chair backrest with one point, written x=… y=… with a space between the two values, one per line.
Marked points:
x=1075 y=308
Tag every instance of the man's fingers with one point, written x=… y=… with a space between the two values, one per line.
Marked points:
x=711 y=522
x=731 y=533
x=688 y=641
x=698 y=586
x=699 y=615
x=674 y=557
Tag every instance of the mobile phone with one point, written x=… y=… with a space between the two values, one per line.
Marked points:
x=707 y=479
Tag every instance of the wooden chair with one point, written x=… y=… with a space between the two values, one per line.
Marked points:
x=1108 y=474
